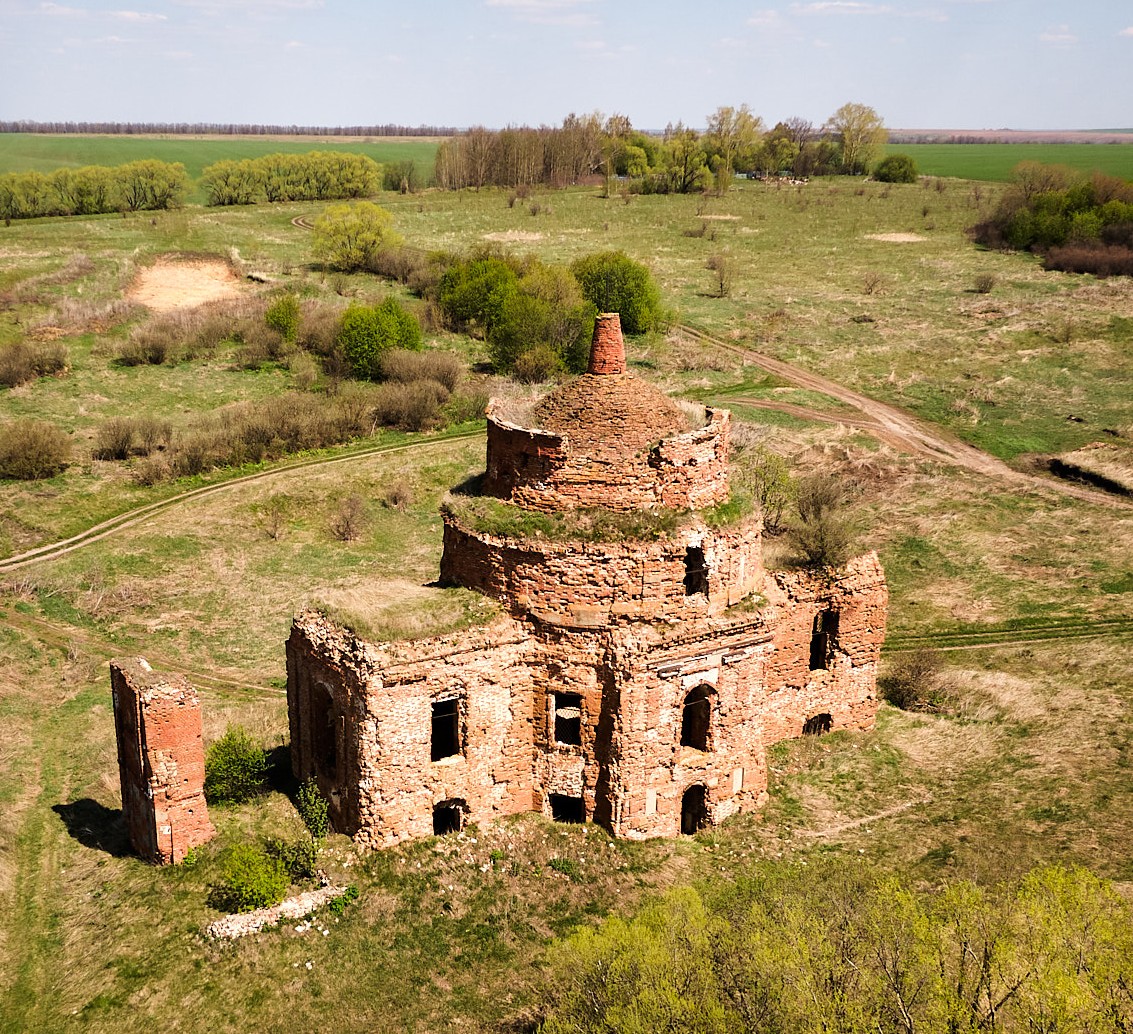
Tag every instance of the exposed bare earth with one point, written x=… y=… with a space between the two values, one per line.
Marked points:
x=513 y=235
x=895 y=238
x=169 y=284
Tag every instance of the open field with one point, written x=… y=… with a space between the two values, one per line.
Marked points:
x=995 y=161
x=871 y=286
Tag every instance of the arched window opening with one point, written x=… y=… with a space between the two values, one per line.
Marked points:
x=696 y=572
x=822 y=639
x=448 y=816
x=694 y=809
x=818 y=724
x=696 y=718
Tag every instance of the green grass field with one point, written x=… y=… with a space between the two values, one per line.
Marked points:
x=40 y=152
x=872 y=286
x=994 y=162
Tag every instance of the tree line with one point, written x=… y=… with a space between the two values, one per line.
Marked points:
x=315 y=176
x=682 y=160
x=834 y=948
x=146 y=185
x=216 y=129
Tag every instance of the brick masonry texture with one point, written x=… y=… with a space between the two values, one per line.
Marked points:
x=161 y=761
x=637 y=684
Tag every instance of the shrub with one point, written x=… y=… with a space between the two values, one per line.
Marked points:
x=366 y=332
x=767 y=477
x=235 y=768
x=283 y=317
x=405 y=367
x=984 y=283
x=536 y=365
x=22 y=362
x=613 y=282
x=896 y=168
x=914 y=681
x=339 y=905
x=410 y=407
x=114 y=439
x=299 y=857
x=724 y=267
x=31 y=450
x=249 y=879
x=1101 y=260
x=347 y=237
x=822 y=531
x=474 y=291
x=399 y=496
x=312 y=807
x=349 y=519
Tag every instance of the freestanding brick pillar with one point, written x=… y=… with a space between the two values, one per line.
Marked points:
x=161 y=761
x=607 y=349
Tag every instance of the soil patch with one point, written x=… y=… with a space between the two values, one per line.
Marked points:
x=169 y=285
x=513 y=235
x=895 y=238
x=727 y=218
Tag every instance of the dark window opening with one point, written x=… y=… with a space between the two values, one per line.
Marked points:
x=568 y=717
x=324 y=732
x=567 y=809
x=822 y=639
x=696 y=718
x=446 y=729
x=696 y=572
x=819 y=724
x=448 y=817
x=694 y=809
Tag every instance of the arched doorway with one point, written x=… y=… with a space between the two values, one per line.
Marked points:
x=696 y=718
x=694 y=809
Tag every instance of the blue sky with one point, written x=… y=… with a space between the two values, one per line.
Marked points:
x=1024 y=64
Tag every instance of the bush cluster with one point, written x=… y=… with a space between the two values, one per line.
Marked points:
x=236 y=768
x=299 y=857
x=315 y=176
x=24 y=361
x=31 y=450
x=147 y=185
x=822 y=531
x=367 y=332
x=124 y=436
x=915 y=681
x=896 y=168
x=1082 y=224
x=614 y=282
x=250 y=878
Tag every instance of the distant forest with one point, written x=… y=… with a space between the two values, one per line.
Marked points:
x=217 y=129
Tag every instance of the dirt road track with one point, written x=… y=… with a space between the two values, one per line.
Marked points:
x=899 y=428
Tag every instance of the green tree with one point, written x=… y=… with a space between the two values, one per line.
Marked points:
x=474 y=291
x=896 y=168
x=236 y=768
x=348 y=237
x=616 y=283
x=733 y=138
x=860 y=133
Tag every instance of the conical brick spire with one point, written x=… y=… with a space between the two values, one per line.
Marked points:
x=607 y=349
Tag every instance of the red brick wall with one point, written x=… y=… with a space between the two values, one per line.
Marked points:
x=161 y=761
x=541 y=471
x=597 y=583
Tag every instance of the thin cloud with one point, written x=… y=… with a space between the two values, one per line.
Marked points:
x=59 y=11
x=137 y=16
x=766 y=19
x=1058 y=35
x=548 y=12
x=1126 y=32
x=841 y=7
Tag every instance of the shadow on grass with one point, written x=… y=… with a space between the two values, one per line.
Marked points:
x=95 y=825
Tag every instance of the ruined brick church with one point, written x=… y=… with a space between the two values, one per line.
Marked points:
x=635 y=681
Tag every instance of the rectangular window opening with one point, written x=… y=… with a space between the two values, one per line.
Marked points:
x=446 y=729
x=567 y=717
x=822 y=639
x=567 y=809
x=696 y=572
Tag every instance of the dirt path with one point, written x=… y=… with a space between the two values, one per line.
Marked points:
x=902 y=429
x=142 y=513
